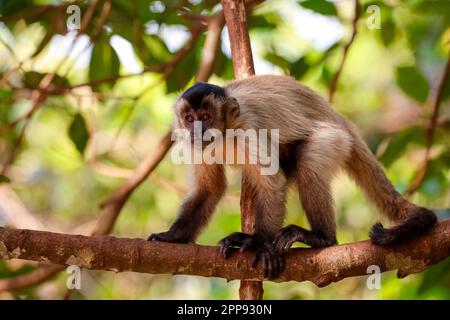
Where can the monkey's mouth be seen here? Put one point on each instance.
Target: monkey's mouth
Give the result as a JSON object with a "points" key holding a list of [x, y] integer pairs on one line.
{"points": [[199, 137], [200, 141]]}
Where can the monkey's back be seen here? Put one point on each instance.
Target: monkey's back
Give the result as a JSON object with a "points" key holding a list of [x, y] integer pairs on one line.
{"points": [[280, 102]]}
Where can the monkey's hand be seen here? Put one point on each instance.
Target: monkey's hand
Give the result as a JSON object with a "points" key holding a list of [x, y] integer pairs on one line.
{"points": [[173, 235], [273, 263]]}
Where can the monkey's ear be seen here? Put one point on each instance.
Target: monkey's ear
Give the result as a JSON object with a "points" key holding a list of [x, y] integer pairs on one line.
{"points": [[232, 109]]}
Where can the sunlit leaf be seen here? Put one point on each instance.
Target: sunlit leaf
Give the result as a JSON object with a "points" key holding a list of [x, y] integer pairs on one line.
{"points": [[278, 60], [153, 50], [320, 6], [260, 22], [104, 64], [413, 83]]}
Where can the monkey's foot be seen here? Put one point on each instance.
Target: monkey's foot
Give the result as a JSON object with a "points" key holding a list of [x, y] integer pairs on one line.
{"points": [[292, 233], [273, 263], [174, 236]]}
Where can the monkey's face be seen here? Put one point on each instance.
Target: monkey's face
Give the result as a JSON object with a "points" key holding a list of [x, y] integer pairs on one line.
{"points": [[207, 114], [200, 108]]}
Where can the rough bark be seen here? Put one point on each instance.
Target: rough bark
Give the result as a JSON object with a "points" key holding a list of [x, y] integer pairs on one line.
{"points": [[236, 21], [241, 51], [320, 266]]}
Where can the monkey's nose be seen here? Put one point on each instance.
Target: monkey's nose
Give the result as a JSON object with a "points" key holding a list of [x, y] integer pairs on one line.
{"points": [[196, 136]]}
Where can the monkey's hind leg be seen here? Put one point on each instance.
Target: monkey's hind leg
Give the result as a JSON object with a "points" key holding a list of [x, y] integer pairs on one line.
{"points": [[317, 203], [323, 154]]}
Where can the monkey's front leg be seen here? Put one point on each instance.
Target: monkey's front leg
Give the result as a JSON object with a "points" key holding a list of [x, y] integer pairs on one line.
{"points": [[194, 214], [269, 193], [209, 187]]}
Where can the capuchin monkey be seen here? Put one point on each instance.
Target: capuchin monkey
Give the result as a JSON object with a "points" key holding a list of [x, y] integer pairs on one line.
{"points": [[314, 143]]}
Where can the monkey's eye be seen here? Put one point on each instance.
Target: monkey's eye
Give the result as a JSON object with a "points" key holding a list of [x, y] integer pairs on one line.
{"points": [[189, 118], [205, 117]]}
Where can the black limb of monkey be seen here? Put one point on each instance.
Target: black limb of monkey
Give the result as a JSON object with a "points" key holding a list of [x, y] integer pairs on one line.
{"points": [[263, 249], [292, 233]]}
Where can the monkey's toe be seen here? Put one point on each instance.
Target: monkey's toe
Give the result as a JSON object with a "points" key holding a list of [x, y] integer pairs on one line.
{"points": [[235, 240], [168, 236], [264, 251], [285, 238], [273, 263]]}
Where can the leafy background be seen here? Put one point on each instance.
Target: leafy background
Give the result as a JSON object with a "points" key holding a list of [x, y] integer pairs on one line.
{"points": [[82, 141]]}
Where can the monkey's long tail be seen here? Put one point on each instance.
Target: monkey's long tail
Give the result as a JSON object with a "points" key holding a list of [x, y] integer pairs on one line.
{"points": [[368, 174]]}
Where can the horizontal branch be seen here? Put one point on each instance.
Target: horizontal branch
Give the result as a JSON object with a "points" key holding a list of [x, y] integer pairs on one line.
{"points": [[320, 266]]}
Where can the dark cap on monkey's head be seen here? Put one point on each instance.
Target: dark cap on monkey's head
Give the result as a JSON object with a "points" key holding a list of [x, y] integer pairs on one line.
{"points": [[195, 94]]}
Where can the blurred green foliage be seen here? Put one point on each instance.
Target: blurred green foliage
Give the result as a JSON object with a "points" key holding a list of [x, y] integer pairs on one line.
{"points": [[83, 140]]}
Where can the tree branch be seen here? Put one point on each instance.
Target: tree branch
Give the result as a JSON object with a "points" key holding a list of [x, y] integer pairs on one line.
{"points": [[111, 208], [236, 20], [334, 81], [320, 266], [241, 51], [211, 47]]}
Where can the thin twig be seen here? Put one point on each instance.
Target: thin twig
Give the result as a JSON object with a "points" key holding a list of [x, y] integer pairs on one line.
{"points": [[211, 47], [335, 79], [430, 132]]}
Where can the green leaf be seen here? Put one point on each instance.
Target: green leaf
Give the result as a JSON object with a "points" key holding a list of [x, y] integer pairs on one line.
{"points": [[224, 66], [104, 64], [182, 74], [413, 83], [326, 75], [153, 50], [260, 22], [440, 7], [397, 144], [299, 68], [4, 179], [277, 60], [78, 133], [320, 6], [5, 94], [387, 31]]}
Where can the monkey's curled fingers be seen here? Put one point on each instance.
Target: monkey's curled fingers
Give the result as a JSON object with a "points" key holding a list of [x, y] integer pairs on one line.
{"points": [[286, 237], [272, 263], [169, 236], [236, 239]]}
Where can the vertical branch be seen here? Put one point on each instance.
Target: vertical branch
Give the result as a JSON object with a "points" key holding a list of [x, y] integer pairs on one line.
{"points": [[334, 81], [211, 47], [430, 131], [236, 20]]}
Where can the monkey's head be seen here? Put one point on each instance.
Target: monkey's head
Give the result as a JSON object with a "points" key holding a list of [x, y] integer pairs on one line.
{"points": [[208, 104]]}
